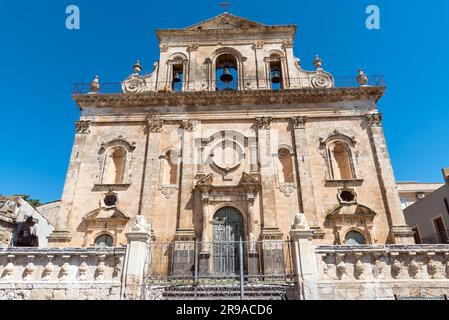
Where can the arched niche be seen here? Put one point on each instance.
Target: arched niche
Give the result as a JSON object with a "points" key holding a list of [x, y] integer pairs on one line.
{"points": [[338, 153], [115, 158]]}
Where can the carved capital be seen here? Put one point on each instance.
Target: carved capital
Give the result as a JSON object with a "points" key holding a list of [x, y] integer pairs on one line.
{"points": [[287, 44], [264, 123], [299, 122], [155, 124], [375, 120], [193, 47], [188, 125], [82, 127], [163, 48], [258, 45]]}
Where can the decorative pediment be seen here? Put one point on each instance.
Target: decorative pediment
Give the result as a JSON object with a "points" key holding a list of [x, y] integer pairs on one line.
{"points": [[225, 21], [249, 183], [354, 210], [106, 214], [205, 183]]}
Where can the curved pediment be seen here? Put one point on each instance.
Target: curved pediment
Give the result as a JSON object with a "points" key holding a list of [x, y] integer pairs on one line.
{"points": [[106, 214], [225, 21], [351, 210]]}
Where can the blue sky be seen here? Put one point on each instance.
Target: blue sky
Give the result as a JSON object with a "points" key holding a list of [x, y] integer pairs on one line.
{"points": [[41, 60]]}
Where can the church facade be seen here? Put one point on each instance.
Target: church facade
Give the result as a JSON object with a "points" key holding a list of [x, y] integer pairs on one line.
{"points": [[227, 138], [228, 172]]}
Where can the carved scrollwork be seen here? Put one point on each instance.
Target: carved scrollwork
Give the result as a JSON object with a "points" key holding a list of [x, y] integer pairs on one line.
{"points": [[135, 84], [287, 189], [155, 124], [321, 80]]}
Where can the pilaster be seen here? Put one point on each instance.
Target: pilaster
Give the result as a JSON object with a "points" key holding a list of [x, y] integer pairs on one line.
{"points": [[306, 190], [61, 234], [400, 233]]}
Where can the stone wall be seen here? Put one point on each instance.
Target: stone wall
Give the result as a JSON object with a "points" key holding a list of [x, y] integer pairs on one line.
{"points": [[61, 274], [379, 272]]}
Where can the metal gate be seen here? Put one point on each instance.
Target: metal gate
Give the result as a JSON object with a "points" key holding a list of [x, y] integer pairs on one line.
{"points": [[225, 270]]}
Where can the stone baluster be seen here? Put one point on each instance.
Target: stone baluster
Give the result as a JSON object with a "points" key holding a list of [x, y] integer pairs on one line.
{"points": [[359, 266], [83, 268], [413, 266], [65, 268], [49, 268], [101, 268], [8, 271], [29, 269]]}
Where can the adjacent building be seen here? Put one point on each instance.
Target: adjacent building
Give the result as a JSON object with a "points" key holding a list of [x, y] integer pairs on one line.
{"points": [[21, 225], [429, 215]]}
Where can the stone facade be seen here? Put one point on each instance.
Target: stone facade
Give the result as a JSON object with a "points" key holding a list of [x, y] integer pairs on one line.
{"points": [[178, 145]]}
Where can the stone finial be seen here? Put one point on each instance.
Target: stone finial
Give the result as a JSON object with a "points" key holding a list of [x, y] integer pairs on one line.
{"points": [[317, 62], [362, 78], [137, 67], [140, 225], [95, 86], [300, 222]]}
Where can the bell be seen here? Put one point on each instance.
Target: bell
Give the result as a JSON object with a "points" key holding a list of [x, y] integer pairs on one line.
{"points": [[275, 76], [177, 77], [226, 76]]}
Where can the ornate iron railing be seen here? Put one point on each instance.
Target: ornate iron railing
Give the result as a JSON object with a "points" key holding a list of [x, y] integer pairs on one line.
{"points": [[222, 270], [142, 85]]}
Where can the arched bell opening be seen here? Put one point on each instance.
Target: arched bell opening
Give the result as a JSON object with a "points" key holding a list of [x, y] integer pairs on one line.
{"points": [[226, 73], [276, 72], [178, 75]]}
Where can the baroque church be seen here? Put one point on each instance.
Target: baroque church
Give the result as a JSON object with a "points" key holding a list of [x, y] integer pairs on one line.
{"points": [[229, 138]]}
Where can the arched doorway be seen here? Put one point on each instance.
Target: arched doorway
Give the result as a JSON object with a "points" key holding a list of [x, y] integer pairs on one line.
{"points": [[227, 232]]}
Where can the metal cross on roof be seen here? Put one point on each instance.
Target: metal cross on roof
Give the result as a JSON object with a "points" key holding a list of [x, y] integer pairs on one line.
{"points": [[225, 5]]}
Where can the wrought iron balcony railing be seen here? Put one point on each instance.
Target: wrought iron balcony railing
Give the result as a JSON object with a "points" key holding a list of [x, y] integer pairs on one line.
{"points": [[141, 85]]}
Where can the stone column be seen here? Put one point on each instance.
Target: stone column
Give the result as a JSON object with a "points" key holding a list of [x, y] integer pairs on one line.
{"points": [[136, 263], [185, 224], [61, 234], [304, 258], [260, 65], [205, 241], [149, 182], [184, 255], [192, 69], [253, 261], [252, 145], [400, 233], [270, 228], [306, 193]]}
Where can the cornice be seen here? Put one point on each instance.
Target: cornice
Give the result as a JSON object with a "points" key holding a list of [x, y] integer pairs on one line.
{"points": [[223, 98]]}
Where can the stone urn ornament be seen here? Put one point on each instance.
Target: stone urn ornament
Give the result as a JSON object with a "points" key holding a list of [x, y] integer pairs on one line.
{"points": [[362, 78], [95, 86], [137, 67]]}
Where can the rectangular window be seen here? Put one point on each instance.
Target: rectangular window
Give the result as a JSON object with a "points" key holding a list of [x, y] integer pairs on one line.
{"points": [[416, 235], [446, 203], [441, 230]]}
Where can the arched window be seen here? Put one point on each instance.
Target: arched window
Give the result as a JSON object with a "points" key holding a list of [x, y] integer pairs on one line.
{"points": [[226, 73], [285, 161], [341, 161], [114, 167], [105, 240], [354, 238]]}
